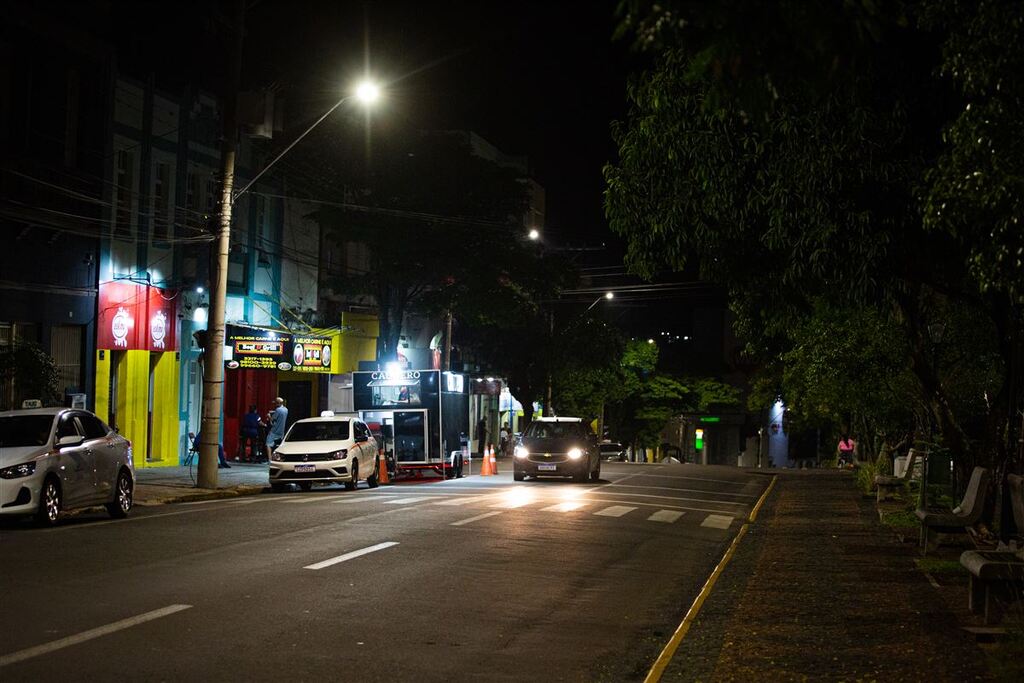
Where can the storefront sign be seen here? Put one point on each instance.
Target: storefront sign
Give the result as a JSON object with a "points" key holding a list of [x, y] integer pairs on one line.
{"points": [[311, 354], [136, 317], [395, 374], [253, 348]]}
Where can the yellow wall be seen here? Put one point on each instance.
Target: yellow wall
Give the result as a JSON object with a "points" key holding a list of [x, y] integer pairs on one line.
{"points": [[133, 401], [103, 385], [165, 410], [357, 342]]}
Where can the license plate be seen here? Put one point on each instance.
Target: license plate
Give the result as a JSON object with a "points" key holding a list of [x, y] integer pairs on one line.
{"points": [[305, 468], [547, 468]]}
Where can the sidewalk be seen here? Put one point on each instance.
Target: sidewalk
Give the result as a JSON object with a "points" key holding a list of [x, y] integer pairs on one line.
{"points": [[819, 590], [160, 485]]}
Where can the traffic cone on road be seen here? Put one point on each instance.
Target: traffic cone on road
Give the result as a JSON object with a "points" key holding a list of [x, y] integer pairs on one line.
{"points": [[382, 469], [485, 463], [494, 460]]}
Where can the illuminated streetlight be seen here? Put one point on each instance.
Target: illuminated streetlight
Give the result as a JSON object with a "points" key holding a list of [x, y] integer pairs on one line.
{"points": [[607, 295], [534, 234], [650, 341], [367, 92]]}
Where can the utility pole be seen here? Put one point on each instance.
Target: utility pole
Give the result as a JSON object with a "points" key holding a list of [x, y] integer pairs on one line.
{"points": [[213, 366], [548, 408]]}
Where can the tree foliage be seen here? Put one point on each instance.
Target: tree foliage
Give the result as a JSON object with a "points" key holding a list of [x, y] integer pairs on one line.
{"points": [[32, 371]]}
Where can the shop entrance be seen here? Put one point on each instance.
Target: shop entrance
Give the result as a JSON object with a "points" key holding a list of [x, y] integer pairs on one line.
{"points": [[298, 398], [403, 434]]}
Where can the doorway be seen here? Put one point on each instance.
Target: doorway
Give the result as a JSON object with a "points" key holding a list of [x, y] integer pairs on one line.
{"points": [[298, 399]]}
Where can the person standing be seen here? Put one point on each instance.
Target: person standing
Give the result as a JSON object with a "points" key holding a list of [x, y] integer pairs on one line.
{"points": [[250, 436], [481, 435], [845, 450], [278, 420]]}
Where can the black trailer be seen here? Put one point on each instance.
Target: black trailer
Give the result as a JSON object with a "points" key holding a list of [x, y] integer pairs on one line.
{"points": [[417, 416]]}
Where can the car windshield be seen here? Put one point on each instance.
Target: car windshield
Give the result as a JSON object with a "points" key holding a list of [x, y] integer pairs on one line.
{"points": [[25, 430], [611, 447], [318, 431], [554, 430]]}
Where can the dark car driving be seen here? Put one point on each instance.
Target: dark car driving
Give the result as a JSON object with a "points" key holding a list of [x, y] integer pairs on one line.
{"points": [[613, 451], [557, 447]]}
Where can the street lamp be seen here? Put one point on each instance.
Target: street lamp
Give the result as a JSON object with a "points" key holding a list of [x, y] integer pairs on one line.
{"points": [[607, 295], [534, 234], [213, 375]]}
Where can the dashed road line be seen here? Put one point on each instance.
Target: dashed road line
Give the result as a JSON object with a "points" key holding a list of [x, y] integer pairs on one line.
{"points": [[672, 488], [462, 501], [667, 516], [313, 499], [568, 506], [407, 501], [461, 522], [45, 648], [615, 511], [351, 556], [717, 521]]}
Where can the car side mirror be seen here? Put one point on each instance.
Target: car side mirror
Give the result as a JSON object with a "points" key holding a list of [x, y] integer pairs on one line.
{"points": [[70, 441]]}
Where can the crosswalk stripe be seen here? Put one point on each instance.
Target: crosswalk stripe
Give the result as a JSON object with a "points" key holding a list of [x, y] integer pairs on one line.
{"points": [[476, 519], [717, 521], [564, 507], [461, 501], [407, 501], [615, 511], [512, 504], [311, 499], [667, 516]]}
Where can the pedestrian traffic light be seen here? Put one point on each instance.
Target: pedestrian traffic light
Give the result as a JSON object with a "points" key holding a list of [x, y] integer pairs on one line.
{"points": [[698, 439]]}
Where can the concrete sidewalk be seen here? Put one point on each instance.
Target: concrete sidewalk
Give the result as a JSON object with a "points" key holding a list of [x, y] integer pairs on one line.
{"points": [[160, 485], [819, 590]]}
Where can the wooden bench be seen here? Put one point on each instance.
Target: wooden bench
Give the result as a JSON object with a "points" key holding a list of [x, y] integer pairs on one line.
{"points": [[997, 577], [938, 527], [887, 485]]}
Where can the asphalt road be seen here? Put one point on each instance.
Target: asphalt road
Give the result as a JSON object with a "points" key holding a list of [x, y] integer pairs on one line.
{"points": [[479, 578]]}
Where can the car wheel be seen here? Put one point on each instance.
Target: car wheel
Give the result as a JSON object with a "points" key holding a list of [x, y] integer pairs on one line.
{"points": [[122, 503], [518, 476], [279, 488], [351, 485], [306, 485], [372, 480], [596, 474], [51, 500]]}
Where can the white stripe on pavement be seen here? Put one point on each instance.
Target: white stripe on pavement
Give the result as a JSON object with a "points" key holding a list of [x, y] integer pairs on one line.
{"points": [[28, 653], [564, 507], [407, 501], [673, 488], [462, 501], [352, 555], [476, 519], [615, 511], [667, 516], [717, 521], [313, 499]]}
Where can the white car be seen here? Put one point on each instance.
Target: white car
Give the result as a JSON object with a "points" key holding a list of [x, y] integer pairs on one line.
{"points": [[56, 459], [327, 449]]}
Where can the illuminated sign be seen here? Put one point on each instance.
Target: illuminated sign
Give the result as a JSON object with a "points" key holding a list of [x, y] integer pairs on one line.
{"points": [[698, 439], [311, 354], [136, 317], [400, 374]]}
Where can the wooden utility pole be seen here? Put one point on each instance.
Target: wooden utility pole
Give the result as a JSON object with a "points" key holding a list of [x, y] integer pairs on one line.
{"points": [[213, 366]]}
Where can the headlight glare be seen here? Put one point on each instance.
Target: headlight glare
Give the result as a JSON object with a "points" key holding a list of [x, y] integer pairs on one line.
{"points": [[17, 471], [522, 452], [575, 454]]}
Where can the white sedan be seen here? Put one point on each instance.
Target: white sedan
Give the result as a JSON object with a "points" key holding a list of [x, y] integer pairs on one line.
{"points": [[56, 459], [327, 449]]}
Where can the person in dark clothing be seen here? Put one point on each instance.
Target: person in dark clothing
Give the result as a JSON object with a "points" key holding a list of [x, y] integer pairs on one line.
{"points": [[481, 434], [250, 436], [222, 463]]}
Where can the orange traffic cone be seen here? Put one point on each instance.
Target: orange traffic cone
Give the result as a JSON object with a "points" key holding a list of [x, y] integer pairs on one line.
{"points": [[485, 464], [382, 469], [494, 460]]}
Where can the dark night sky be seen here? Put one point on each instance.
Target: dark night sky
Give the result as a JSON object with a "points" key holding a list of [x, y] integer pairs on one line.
{"points": [[541, 79]]}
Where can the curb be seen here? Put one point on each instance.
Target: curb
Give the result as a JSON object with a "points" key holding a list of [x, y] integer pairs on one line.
{"points": [[200, 494]]}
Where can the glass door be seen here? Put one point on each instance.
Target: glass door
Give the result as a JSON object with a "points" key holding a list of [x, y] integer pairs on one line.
{"points": [[410, 427]]}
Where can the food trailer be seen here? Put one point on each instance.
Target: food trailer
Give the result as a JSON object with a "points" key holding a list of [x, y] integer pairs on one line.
{"points": [[418, 416]]}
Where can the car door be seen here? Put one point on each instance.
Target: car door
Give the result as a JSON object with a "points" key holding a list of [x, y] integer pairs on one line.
{"points": [[74, 463], [361, 445], [105, 452]]}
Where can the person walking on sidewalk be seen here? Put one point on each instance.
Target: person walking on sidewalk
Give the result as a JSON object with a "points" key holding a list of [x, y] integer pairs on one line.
{"points": [[278, 419]]}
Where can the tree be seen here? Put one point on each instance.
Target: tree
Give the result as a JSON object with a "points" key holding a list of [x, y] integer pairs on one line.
{"points": [[793, 176], [30, 372]]}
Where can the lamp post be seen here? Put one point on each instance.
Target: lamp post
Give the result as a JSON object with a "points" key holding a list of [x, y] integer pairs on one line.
{"points": [[607, 296], [213, 370]]}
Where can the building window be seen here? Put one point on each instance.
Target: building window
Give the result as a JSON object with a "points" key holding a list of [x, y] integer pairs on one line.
{"points": [[161, 201], [123, 194]]}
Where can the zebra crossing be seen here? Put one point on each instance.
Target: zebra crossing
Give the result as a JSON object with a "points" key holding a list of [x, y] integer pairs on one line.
{"points": [[498, 503]]}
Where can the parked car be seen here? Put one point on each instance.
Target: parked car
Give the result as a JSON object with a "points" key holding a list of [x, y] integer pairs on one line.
{"points": [[327, 449], [58, 459], [557, 447], [613, 451]]}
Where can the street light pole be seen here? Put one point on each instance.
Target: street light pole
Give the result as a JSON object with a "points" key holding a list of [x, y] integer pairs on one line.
{"points": [[213, 371]]}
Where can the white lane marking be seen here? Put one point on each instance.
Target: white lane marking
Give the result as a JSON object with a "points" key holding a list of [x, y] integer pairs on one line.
{"points": [[717, 521], [246, 501], [615, 511], [671, 488], [667, 516], [204, 502], [515, 503], [407, 501], [313, 499], [352, 555], [656, 505], [476, 519], [45, 648], [695, 500], [462, 501], [568, 506]]}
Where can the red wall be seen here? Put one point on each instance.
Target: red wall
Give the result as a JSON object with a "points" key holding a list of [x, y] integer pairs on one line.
{"points": [[242, 388]]}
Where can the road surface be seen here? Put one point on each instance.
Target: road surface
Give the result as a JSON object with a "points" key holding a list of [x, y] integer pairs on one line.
{"points": [[479, 578]]}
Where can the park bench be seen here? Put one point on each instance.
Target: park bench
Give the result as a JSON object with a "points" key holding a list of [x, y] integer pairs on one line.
{"points": [[938, 527], [886, 485], [997, 577]]}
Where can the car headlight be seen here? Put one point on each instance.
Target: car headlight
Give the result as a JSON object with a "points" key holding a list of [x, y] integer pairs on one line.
{"points": [[575, 454], [339, 455], [275, 456], [521, 452], [17, 471]]}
